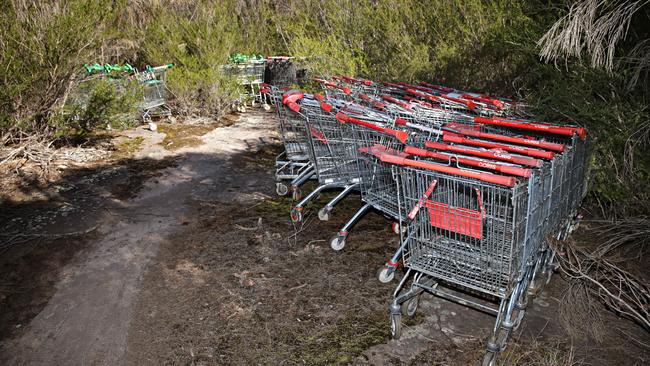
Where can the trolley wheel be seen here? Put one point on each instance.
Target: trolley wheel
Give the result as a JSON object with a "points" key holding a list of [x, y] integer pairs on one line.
{"points": [[338, 242], [411, 306], [395, 226], [297, 194], [253, 103], [549, 266], [386, 274], [266, 107], [324, 214], [489, 359], [395, 326], [281, 189], [296, 215]]}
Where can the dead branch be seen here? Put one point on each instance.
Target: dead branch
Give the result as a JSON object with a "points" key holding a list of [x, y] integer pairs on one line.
{"points": [[618, 289], [591, 27]]}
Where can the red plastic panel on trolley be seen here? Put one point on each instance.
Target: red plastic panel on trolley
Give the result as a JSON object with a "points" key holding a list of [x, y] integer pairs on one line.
{"points": [[460, 220]]}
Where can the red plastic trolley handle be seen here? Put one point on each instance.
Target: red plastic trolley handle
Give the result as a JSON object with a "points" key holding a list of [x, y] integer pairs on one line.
{"points": [[401, 136], [292, 97], [485, 177], [491, 154], [438, 87], [293, 106], [517, 140], [467, 103], [458, 139], [390, 99], [346, 91], [326, 107], [431, 98], [495, 102], [557, 130], [505, 169]]}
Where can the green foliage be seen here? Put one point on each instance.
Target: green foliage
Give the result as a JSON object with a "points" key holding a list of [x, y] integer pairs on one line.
{"points": [[618, 123], [43, 44], [99, 103], [198, 41]]}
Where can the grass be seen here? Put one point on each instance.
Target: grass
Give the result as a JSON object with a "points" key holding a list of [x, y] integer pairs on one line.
{"points": [[340, 343], [127, 148], [179, 136]]}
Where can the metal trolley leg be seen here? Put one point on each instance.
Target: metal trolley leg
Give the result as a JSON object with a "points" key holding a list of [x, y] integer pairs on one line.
{"points": [[338, 241], [298, 181], [324, 213], [296, 211]]}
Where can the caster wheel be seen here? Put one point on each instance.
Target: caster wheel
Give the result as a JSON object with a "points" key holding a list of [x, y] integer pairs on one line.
{"points": [[266, 107], [338, 242], [253, 104], [489, 359], [386, 274], [324, 214], [549, 267], [411, 306], [296, 216], [297, 195], [395, 326], [395, 227], [281, 189], [518, 318]]}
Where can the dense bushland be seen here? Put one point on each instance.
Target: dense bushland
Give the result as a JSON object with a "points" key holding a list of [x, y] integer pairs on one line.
{"points": [[476, 45]]}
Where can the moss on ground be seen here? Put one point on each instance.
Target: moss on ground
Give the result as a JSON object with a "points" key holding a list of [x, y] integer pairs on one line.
{"points": [[342, 342], [178, 136], [127, 147]]}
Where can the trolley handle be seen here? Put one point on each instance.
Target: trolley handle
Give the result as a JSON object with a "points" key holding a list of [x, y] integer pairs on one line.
{"points": [[401, 136], [292, 97], [293, 106], [467, 103], [517, 140], [431, 98], [554, 129], [326, 107], [390, 99], [364, 97], [495, 102], [521, 160], [451, 137], [438, 87], [485, 177], [480, 163]]}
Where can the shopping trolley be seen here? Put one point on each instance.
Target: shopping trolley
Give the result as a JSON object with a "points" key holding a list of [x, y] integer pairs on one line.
{"points": [[154, 85], [332, 154], [293, 164], [249, 74]]}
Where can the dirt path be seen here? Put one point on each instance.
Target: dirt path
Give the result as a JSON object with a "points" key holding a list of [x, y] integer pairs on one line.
{"points": [[87, 319]]}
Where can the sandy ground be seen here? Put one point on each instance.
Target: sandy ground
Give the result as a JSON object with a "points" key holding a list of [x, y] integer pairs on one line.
{"points": [[203, 267]]}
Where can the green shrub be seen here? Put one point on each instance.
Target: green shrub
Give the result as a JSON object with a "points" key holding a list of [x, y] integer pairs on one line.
{"points": [[99, 103], [43, 45]]}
